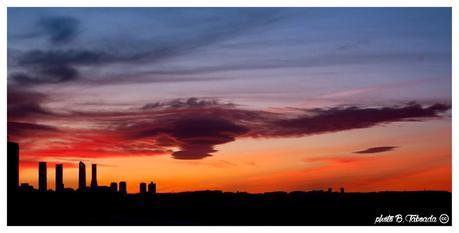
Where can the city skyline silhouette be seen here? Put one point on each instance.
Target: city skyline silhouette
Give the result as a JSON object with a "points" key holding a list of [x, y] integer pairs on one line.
{"points": [[255, 96], [113, 206], [229, 116], [13, 175]]}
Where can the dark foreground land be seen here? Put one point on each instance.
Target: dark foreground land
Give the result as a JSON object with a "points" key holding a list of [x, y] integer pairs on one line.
{"points": [[221, 208]]}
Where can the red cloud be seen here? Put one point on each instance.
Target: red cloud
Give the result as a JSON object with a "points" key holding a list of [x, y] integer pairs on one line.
{"points": [[195, 127]]}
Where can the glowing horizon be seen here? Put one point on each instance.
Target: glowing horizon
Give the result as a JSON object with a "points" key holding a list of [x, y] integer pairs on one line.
{"points": [[234, 99]]}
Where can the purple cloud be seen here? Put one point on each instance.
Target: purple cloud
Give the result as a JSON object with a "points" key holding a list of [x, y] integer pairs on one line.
{"points": [[378, 149]]}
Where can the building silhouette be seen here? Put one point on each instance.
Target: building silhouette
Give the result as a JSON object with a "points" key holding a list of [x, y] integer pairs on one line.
{"points": [[102, 189], [42, 177], [82, 177], [341, 190], [13, 177], [143, 188], [59, 178], [330, 190], [26, 187], [123, 189], [13, 166], [114, 187], [152, 188], [94, 176]]}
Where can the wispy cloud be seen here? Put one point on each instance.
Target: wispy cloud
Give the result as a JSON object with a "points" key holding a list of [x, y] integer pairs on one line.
{"points": [[57, 65], [378, 149], [59, 29]]}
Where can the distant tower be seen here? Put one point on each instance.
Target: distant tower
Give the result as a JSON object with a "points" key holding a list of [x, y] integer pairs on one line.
{"points": [[143, 187], [59, 178], [94, 176], [42, 176], [330, 190], [13, 166], [114, 187], [123, 187], [341, 190], [152, 188], [82, 177]]}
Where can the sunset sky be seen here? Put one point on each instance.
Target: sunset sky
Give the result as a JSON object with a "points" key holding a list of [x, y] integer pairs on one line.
{"points": [[235, 99]]}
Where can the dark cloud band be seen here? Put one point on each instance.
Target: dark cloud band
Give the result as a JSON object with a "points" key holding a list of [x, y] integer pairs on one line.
{"points": [[196, 126], [378, 149]]}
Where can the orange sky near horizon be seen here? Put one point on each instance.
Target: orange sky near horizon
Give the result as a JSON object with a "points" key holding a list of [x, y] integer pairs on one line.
{"points": [[422, 161], [234, 99]]}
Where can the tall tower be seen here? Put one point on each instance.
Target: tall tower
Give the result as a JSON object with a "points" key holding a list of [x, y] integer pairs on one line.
{"points": [[143, 187], [59, 178], [123, 188], [42, 176], [114, 187], [152, 188], [82, 177], [13, 166], [94, 176]]}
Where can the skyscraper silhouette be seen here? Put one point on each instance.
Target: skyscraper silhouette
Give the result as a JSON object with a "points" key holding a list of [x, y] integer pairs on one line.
{"points": [[42, 177], [114, 187], [82, 177], [13, 166], [143, 188], [59, 178], [123, 187], [94, 176], [152, 188]]}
